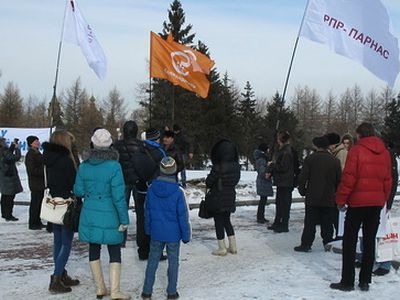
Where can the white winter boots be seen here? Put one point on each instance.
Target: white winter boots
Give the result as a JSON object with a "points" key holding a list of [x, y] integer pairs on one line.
{"points": [[115, 275], [97, 273], [222, 250]]}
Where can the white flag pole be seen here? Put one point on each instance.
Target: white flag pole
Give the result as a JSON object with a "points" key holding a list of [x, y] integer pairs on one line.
{"points": [[54, 97]]}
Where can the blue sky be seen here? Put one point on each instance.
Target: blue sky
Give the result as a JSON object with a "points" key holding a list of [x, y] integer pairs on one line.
{"points": [[251, 40]]}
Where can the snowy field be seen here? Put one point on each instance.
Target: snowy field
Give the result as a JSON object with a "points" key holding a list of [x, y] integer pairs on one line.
{"points": [[266, 267]]}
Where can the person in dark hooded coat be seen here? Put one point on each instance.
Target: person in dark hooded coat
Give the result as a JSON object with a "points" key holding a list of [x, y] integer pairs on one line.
{"points": [[263, 181], [10, 184], [222, 180]]}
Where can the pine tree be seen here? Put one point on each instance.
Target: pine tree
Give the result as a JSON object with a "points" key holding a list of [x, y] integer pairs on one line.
{"points": [[391, 131], [11, 109], [91, 118], [249, 121]]}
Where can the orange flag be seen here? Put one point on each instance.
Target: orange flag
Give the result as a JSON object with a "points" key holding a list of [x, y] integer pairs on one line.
{"points": [[179, 64]]}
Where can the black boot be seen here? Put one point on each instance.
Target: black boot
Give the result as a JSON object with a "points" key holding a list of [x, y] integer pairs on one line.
{"points": [[282, 228], [67, 280], [57, 287], [342, 287], [273, 226]]}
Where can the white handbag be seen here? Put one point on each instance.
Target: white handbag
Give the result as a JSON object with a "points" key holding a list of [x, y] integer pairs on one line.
{"points": [[53, 209]]}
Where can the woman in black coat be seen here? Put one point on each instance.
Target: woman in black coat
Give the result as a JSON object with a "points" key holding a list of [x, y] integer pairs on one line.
{"points": [[10, 184], [222, 180], [58, 157]]}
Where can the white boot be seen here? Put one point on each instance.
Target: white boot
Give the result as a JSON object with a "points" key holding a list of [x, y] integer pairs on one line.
{"points": [[115, 275], [97, 273], [232, 244], [221, 251]]}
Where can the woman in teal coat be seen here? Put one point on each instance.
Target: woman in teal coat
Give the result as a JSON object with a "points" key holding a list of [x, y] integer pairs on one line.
{"points": [[104, 215]]}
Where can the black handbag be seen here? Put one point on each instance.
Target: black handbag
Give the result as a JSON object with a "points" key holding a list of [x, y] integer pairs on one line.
{"points": [[71, 217], [203, 212]]}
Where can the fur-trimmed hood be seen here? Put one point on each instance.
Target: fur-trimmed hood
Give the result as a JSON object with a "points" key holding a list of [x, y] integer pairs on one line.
{"points": [[96, 156]]}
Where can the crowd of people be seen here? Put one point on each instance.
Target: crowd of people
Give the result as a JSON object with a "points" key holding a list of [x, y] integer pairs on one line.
{"points": [[340, 175]]}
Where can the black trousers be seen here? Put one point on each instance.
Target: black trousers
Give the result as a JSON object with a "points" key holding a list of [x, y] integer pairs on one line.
{"points": [[114, 251], [130, 189], [142, 240], [369, 218], [34, 208], [223, 223], [283, 202], [315, 215], [261, 207], [7, 205]]}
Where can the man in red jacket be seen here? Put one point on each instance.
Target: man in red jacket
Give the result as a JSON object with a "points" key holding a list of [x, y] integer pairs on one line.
{"points": [[364, 189]]}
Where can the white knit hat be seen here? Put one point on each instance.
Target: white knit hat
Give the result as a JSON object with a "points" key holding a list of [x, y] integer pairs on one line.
{"points": [[101, 138]]}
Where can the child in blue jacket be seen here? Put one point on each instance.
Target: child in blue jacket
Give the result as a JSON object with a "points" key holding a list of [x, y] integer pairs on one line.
{"points": [[167, 223]]}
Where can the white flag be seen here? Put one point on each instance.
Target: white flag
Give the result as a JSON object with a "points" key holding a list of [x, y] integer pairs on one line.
{"points": [[79, 32], [358, 29]]}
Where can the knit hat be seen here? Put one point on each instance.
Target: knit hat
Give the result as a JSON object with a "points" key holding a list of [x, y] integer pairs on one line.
{"points": [[168, 166], [101, 138], [333, 138], [30, 139], [321, 142], [152, 134]]}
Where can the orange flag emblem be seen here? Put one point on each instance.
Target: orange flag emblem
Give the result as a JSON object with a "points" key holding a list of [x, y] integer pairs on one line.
{"points": [[180, 65]]}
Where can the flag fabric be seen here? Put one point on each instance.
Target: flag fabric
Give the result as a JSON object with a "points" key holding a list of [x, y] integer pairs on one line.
{"points": [[77, 31], [179, 64], [357, 29]]}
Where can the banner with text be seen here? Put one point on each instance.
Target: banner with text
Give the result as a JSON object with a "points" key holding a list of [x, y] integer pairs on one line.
{"points": [[11, 133], [358, 29]]}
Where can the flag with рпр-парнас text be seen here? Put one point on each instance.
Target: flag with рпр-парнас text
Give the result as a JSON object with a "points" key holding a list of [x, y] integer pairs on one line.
{"points": [[179, 64], [77, 31], [357, 29]]}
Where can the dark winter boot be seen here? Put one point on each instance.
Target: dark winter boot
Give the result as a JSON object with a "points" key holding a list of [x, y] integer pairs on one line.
{"points": [[282, 228], [273, 226], [57, 287], [67, 280]]}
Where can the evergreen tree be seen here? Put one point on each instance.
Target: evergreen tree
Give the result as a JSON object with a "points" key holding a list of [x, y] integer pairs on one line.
{"points": [[11, 109], [249, 121], [279, 117], [391, 131], [175, 24]]}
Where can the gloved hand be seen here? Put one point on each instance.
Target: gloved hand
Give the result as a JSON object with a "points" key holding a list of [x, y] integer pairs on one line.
{"points": [[185, 242], [342, 208], [122, 227]]}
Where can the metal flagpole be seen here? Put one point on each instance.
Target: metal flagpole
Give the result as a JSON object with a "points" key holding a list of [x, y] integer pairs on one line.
{"points": [[54, 97], [288, 76]]}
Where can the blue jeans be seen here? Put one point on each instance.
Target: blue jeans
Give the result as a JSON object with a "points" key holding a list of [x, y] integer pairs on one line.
{"points": [[156, 249], [61, 247]]}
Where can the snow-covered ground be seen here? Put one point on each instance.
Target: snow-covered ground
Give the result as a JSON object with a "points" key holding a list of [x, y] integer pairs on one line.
{"points": [[266, 267]]}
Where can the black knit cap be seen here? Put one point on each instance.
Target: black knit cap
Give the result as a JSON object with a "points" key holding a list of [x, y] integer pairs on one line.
{"points": [[152, 134], [30, 139], [333, 138], [321, 142]]}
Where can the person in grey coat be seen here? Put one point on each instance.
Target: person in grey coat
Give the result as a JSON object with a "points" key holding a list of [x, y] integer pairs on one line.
{"points": [[10, 184], [263, 181]]}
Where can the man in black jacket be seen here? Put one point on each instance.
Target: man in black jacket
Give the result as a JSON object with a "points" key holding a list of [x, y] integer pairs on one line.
{"points": [[127, 147], [186, 149], [318, 181], [35, 171]]}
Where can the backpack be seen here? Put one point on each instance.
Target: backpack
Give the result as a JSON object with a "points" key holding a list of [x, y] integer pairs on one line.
{"points": [[145, 165]]}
